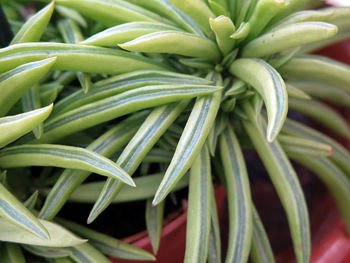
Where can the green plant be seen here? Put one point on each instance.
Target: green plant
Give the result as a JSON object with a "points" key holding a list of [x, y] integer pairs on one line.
{"points": [[172, 87]]}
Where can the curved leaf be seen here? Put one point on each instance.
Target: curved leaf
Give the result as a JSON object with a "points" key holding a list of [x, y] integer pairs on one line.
{"points": [[125, 32], [340, 155], [86, 253], [191, 142], [322, 91], [261, 251], [106, 244], [154, 219], [14, 211], [167, 9], [111, 13], [285, 182], [270, 86], [147, 136], [199, 209], [13, 127], [11, 253], [15, 83], [107, 144], [173, 42], [317, 68], [35, 26], [287, 37], [59, 237], [61, 156], [121, 104], [323, 114], [333, 178], [198, 11], [238, 197], [76, 58]]}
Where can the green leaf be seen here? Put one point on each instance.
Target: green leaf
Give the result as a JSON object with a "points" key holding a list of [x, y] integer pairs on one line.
{"points": [[15, 83], [107, 144], [147, 136], [31, 201], [71, 14], [322, 114], [261, 251], [287, 37], [223, 28], [59, 237], [61, 156], [296, 92], [198, 11], [31, 101], [214, 246], [13, 127], [154, 219], [35, 26], [126, 32], [285, 182], [47, 252], [198, 212], [317, 68], [76, 58], [340, 155], [267, 81], [335, 180], [123, 82], [14, 211], [121, 104], [111, 13], [11, 253], [238, 197], [263, 12], [191, 142], [302, 146], [146, 188], [322, 91], [86, 253], [106, 244], [322, 15], [174, 42]]}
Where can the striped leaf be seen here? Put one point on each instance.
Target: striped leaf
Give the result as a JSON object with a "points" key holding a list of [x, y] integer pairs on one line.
{"points": [[59, 237], [34, 27], [198, 211], [340, 155], [119, 105], [76, 58], [61, 156], [13, 127], [107, 144], [335, 180], [147, 136], [173, 42], [15, 83], [270, 85], [322, 114], [317, 68], [154, 219], [285, 182], [261, 251], [15, 212], [190, 144], [238, 197], [106, 244]]}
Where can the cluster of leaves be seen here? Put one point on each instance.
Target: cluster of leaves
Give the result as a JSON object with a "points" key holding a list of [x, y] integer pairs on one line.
{"points": [[171, 88]]}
